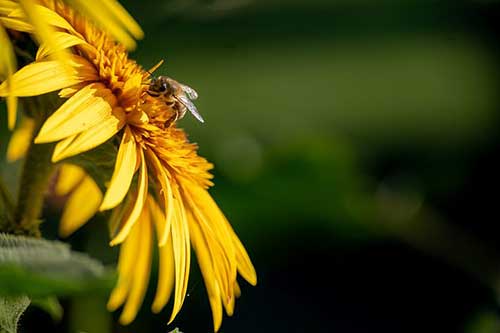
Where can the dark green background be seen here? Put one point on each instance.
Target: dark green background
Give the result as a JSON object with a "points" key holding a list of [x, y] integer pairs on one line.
{"points": [[356, 148]]}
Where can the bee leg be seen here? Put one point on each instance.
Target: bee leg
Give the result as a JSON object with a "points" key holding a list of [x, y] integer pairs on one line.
{"points": [[152, 93], [172, 119]]}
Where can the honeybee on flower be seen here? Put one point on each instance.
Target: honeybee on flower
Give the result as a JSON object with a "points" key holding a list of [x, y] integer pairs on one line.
{"points": [[176, 95]]}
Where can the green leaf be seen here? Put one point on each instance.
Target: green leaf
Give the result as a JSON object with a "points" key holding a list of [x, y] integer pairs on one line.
{"points": [[175, 330], [40, 268], [11, 309]]}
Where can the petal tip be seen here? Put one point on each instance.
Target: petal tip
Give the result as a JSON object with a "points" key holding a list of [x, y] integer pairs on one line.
{"points": [[253, 281], [115, 242], [105, 206], [156, 308], [38, 139], [57, 157], [64, 233], [125, 320]]}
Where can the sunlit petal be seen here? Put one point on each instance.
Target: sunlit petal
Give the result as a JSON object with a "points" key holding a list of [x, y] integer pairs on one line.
{"points": [[158, 217], [166, 192], [90, 106], [137, 209], [61, 40], [182, 256], [224, 266], [205, 263], [47, 76], [126, 266], [166, 275], [90, 138], [123, 173], [141, 271]]}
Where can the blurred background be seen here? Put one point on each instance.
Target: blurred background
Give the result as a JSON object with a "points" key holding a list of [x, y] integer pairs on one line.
{"points": [[356, 147]]}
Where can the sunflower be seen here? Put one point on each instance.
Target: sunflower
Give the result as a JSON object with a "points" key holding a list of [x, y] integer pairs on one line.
{"points": [[159, 185]]}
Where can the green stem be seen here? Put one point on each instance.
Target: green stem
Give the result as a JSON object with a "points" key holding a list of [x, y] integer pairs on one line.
{"points": [[36, 173], [6, 200], [34, 181]]}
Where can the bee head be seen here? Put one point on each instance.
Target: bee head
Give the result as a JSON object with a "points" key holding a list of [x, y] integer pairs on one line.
{"points": [[160, 86]]}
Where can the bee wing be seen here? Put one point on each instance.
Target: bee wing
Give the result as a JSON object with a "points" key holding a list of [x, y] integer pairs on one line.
{"points": [[191, 93], [191, 107]]}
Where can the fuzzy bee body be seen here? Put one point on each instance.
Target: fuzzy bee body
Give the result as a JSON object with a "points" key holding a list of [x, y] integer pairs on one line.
{"points": [[177, 95]]}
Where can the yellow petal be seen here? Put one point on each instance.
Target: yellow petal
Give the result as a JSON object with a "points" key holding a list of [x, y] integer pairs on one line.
{"points": [[62, 40], [205, 263], [158, 217], [21, 140], [70, 91], [126, 267], [82, 204], [90, 138], [16, 24], [222, 253], [142, 269], [182, 255], [237, 289], [40, 13], [123, 173], [123, 17], [117, 215], [8, 67], [132, 89], [135, 213], [109, 18], [40, 17], [166, 191], [7, 6], [89, 107], [166, 276], [245, 266], [43, 77], [68, 177]]}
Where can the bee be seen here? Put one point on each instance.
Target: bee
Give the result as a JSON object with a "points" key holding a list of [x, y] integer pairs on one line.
{"points": [[175, 94]]}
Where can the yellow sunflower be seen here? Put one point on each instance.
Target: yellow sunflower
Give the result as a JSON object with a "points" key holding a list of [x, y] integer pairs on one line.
{"points": [[107, 97]]}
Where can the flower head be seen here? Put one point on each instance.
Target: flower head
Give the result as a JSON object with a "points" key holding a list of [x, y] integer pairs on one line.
{"points": [[159, 184]]}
